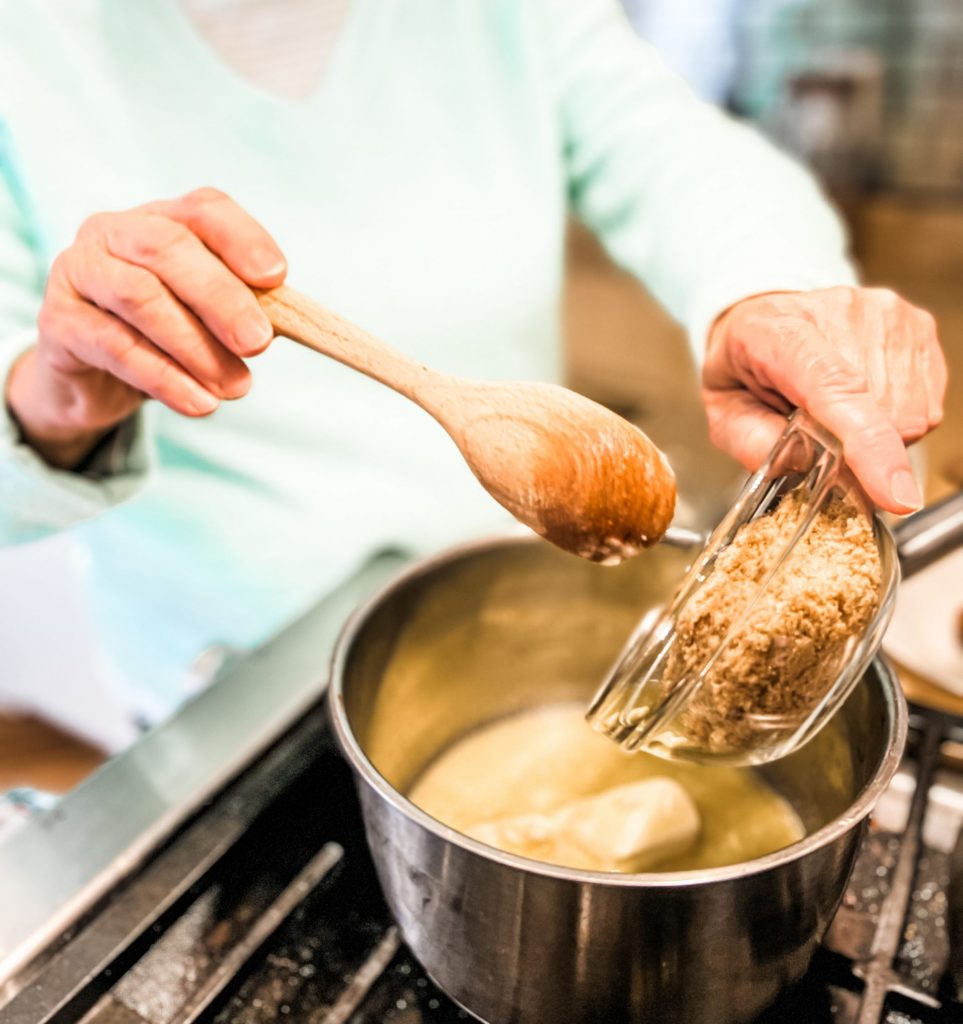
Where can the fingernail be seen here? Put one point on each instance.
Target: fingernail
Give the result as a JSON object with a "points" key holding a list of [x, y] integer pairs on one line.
{"points": [[267, 261], [237, 388], [253, 333], [904, 490], [202, 401]]}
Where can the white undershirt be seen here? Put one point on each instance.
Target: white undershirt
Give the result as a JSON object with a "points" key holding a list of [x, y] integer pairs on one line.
{"points": [[282, 46]]}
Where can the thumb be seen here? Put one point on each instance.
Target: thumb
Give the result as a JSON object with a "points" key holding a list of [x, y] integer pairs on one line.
{"points": [[812, 374]]}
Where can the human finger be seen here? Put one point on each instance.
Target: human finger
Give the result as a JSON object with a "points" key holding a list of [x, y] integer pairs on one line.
{"points": [[140, 299], [741, 426], [177, 257], [231, 233], [812, 374], [102, 341]]}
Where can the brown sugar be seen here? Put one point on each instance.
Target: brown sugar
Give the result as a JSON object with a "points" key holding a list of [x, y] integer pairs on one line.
{"points": [[785, 656]]}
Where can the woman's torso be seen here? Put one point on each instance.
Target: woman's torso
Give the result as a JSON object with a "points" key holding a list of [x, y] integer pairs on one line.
{"points": [[419, 191]]}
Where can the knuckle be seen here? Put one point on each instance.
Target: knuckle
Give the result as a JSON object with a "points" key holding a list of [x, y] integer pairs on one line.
{"points": [[164, 376], [135, 292], [205, 196], [59, 265], [914, 425], [840, 298], [162, 382], [233, 310], [117, 342], [141, 246], [927, 323], [49, 320], [59, 275], [57, 316], [95, 225], [785, 332], [220, 291], [148, 240], [835, 375], [886, 297]]}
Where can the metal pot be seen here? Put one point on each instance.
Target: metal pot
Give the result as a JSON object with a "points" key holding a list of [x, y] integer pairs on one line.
{"points": [[495, 627]]}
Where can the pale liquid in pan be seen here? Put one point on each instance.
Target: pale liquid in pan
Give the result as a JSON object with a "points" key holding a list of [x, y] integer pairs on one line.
{"points": [[536, 761]]}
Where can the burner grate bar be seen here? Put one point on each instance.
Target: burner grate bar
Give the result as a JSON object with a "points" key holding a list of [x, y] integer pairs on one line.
{"points": [[160, 888], [266, 925], [877, 971], [363, 981]]}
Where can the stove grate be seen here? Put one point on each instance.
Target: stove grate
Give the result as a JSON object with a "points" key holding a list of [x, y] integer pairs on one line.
{"points": [[265, 908]]}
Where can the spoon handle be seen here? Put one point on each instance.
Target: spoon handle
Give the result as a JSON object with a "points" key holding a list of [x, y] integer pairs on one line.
{"points": [[303, 320]]}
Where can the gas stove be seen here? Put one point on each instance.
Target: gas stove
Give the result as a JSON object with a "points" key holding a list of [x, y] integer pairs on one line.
{"points": [[265, 907], [258, 900]]}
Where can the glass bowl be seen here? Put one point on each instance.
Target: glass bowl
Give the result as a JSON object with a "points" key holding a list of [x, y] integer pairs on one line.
{"points": [[656, 700]]}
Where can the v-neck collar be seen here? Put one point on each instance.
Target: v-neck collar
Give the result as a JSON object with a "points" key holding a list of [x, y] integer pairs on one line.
{"points": [[168, 27]]}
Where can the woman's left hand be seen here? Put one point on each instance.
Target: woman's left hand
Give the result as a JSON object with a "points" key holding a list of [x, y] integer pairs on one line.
{"points": [[863, 362]]}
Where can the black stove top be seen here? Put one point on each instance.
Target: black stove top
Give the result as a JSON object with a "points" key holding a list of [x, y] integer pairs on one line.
{"points": [[265, 907]]}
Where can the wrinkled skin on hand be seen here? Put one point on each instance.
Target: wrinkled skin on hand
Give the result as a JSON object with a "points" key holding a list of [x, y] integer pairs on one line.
{"points": [[865, 363], [152, 302]]}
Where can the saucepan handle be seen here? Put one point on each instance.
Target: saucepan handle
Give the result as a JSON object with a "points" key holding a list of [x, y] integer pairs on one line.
{"points": [[929, 534]]}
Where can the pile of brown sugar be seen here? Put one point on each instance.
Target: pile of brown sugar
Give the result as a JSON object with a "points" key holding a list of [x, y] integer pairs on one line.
{"points": [[782, 660]]}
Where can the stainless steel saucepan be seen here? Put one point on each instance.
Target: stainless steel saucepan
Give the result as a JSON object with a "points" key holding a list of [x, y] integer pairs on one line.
{"points": [[500, 626]]}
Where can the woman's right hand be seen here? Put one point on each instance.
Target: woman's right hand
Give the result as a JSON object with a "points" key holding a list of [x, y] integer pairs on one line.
{"points": [[153, 302]]}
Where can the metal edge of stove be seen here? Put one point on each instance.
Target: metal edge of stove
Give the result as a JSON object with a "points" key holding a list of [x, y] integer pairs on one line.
{"points": [[60, 863]]}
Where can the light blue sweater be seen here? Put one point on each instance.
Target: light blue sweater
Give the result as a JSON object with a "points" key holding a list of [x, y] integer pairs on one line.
{"points": [[422, 192]]}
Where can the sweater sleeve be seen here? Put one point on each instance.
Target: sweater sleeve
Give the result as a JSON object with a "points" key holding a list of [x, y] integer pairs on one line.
{"points": [[698, 206], [34, 498]]}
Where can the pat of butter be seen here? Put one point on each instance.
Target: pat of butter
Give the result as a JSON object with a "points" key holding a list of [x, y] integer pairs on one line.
{"points": [[627, 828]]}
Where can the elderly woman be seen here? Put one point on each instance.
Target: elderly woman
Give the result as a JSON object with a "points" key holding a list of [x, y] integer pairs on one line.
{"points": [[413, 165]]}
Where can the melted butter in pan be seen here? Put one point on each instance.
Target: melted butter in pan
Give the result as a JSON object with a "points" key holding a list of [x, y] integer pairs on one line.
{"points": [[539, 761]]}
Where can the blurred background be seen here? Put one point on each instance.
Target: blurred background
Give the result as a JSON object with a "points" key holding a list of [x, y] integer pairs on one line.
{"points": [[869, 93]]}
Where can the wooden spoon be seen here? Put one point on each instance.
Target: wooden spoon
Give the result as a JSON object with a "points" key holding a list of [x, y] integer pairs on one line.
{"points": [[573, 471]]}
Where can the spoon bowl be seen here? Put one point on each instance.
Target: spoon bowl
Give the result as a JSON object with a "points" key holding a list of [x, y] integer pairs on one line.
{"points": [[576, 473]]}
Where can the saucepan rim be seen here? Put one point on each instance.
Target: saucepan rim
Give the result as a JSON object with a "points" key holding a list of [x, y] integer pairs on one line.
{"points": [[860, 808]]}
